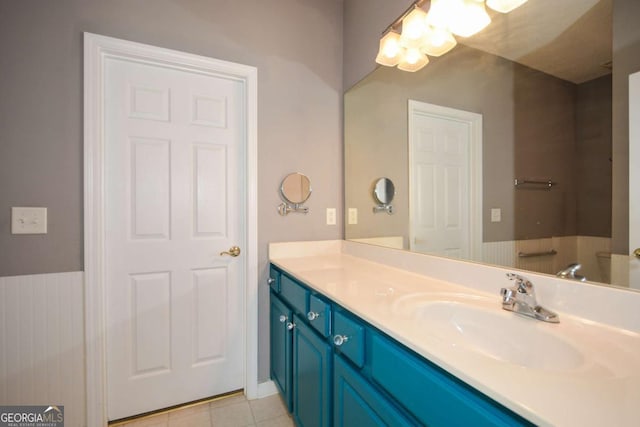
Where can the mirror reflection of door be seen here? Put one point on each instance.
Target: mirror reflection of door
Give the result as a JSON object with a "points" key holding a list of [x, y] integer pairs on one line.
{"points": [[444, 212]]}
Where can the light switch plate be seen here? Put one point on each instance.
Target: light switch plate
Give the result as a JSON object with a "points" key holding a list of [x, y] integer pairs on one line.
{"points": [[496, 215], [353, 216], [28, 220], [331, 216]]}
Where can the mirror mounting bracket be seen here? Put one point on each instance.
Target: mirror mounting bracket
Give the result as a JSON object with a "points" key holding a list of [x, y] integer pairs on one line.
{"points": [[383, 208], [285, 208]]}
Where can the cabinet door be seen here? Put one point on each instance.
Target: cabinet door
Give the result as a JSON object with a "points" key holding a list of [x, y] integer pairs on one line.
{"points": [[280, 318], [311, 377], [357, 403]]}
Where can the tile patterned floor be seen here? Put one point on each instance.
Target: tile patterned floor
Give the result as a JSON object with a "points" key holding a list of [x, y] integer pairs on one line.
{"points": [[234, 411]]}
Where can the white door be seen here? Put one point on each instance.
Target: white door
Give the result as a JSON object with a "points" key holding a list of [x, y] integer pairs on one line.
{"points": [[634, 179], [174, 304], [441, 190]]}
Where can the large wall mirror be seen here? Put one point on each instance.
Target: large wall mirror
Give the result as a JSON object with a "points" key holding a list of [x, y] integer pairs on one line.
{"points": [[542, 94]]}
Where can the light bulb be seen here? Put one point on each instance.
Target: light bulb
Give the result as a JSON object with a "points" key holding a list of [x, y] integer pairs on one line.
{"points": [[389, 52], [413, 60], [472, 18], [505, 6], [443, 12], [413, 28], [437, 42]]}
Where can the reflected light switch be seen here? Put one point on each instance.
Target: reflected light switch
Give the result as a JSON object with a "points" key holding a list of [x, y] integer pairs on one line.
{"points": [[28, 220], [496, 214]]}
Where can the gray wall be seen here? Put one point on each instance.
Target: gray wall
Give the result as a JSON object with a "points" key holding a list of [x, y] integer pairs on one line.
{"points": [[296, 46], [593, 157], [518, 104]]}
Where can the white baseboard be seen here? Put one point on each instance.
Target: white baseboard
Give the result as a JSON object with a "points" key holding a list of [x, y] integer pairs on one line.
{"points": [[267, 388]]}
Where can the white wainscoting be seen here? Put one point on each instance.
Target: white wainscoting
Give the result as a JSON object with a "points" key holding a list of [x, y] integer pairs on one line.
{"points": [[594, 253], [42, 342]]}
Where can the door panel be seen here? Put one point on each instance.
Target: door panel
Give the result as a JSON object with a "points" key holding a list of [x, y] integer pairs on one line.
{"points": [[174, 304]]}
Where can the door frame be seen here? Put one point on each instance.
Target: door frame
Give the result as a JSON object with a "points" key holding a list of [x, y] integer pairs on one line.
{"points": [[97, 49], [633, 263], [474, 120]]}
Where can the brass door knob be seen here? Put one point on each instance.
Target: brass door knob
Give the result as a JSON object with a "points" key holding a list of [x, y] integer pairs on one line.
{"points": [[637, 253], [234, 251]]}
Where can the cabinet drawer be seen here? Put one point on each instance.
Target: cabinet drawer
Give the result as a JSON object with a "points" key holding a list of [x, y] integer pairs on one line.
{"points": [[294, 293], [433, 396], [348, 337], [319, 315], [274, 279]]}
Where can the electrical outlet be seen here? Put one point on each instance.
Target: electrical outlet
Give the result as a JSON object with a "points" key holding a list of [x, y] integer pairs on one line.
{"points": [[28, 220], [331, 216], [496, 215], [353, 216]]}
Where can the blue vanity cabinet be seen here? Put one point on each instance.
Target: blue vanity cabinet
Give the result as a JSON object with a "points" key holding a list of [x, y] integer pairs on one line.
{"points": [[335, 369], [357, 403], [311, 377], [274, 279], [281, 324], [429, 393]]}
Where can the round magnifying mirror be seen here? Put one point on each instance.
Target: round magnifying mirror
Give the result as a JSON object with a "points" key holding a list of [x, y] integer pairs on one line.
{"points": [[383, 191], [295, 188]]}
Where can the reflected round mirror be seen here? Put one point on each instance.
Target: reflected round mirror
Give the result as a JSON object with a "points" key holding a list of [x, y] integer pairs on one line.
{"points": [[295, 188], [383, 191]]}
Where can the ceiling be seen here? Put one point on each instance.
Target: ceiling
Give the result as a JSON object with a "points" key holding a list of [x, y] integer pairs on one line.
{"points": [[569, 39]]}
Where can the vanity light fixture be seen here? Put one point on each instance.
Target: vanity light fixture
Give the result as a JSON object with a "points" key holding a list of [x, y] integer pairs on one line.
{"points": [[430, 33]]}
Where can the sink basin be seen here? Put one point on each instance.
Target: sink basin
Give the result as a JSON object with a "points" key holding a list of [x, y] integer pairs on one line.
{"points": [[479, 324]]}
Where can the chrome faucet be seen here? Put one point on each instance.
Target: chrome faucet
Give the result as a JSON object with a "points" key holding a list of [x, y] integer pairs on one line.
{"points": [[521, 299], [570, 273]]}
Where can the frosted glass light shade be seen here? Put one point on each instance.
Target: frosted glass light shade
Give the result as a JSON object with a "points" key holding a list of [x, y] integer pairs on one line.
{"points": [[413, 28], [443, 12], [389, 52], [505, 6], [437, 42], [413, 60], [471, 19]]}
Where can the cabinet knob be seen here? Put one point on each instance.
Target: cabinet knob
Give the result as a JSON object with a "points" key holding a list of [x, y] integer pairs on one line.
{"points": [[312, 315], [283, 318], [290, 326], [270, 280], [338, 340]]}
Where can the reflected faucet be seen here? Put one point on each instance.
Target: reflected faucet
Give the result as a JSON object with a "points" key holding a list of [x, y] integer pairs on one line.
{"points": [[521, 299], [570, 272]]}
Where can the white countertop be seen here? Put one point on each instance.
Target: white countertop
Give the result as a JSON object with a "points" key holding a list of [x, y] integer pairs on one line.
{"points": [[600, 389]]}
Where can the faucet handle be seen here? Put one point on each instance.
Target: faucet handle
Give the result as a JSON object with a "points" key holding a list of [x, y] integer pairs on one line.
{"points": [[524, 286], [507, 295]]}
